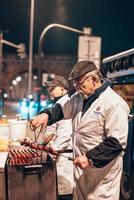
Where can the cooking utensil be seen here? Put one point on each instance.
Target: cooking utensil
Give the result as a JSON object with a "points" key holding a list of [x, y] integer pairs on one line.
{"points": [[48, 139], [65, 151], [68, 157]]}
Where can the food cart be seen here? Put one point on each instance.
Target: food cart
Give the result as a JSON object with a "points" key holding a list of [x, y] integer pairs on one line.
{"points": [[27, 170]]}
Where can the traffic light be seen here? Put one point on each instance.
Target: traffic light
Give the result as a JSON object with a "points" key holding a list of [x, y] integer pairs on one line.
{"points": [[21, 49]]}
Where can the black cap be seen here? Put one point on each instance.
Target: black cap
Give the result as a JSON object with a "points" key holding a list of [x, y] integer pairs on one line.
{"points": [[57, 81], [81, 68]]}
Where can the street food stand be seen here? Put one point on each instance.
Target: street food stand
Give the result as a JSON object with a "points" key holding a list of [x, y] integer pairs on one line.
{"points": [[36, 180], [27, 171], [28, 181]]}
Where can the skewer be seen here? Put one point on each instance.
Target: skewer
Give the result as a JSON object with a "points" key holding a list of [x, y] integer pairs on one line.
{"points": [[68, 157]]}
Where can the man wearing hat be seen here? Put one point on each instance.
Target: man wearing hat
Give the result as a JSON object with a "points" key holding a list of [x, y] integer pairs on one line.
{"points": [[100, 129], [57, 87], [62, 129]]}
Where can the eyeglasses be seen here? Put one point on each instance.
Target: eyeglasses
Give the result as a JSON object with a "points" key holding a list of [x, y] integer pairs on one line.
{"points": [[77, 83]]}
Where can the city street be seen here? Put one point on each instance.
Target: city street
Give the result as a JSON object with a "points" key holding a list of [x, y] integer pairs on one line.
{"points": [[11, 109]]}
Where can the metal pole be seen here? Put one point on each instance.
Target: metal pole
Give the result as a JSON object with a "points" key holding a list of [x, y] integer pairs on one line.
{"points": [[1, 91], [42, 36], [1, 49], [60, 26], [40, 46], [31, 48], [118, 56], [9, 43]]}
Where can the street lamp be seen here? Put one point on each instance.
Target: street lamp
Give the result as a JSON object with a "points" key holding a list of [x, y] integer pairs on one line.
{"points": [[41, 39], [31, 48], [30, 65], [40, 45], [1, 36]]}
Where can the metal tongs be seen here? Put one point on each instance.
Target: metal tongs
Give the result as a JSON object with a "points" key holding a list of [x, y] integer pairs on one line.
{"points": [[68, 157], [36, 135], [66, 151], [48, 139]]}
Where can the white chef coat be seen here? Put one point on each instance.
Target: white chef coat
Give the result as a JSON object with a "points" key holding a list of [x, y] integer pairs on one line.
{"points": [[106, 117], [61, 141]]}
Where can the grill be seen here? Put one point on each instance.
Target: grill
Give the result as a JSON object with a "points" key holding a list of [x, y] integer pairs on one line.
{"points": [[34, 180]]}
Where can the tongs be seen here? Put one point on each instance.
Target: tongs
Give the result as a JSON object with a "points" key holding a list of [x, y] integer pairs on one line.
{"points": [[68, 157], [66, 151], [36, 135], [48, 139]]}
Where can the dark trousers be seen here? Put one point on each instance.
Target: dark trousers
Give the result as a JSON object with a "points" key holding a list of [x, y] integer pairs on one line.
{"points": [[65, 197]]}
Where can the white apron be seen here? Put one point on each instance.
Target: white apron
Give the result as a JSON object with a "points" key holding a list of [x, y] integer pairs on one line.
{"points": [[107, 116], [62, 141]]}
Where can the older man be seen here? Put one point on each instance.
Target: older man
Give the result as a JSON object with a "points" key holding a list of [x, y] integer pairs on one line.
{"points": [[100, 129]]}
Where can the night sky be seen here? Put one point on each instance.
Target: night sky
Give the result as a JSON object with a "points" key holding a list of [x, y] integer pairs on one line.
{"points": [[113, 20]]}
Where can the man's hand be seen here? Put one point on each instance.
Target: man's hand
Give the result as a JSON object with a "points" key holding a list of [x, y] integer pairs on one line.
{"points": [[82, 161], [39, 120]]}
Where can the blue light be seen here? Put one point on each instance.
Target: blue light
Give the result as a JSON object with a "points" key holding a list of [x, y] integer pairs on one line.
{"points": [[30, 108], [32, 104], [43, 104], [24, 109], [49, 105], [23, 104]]}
